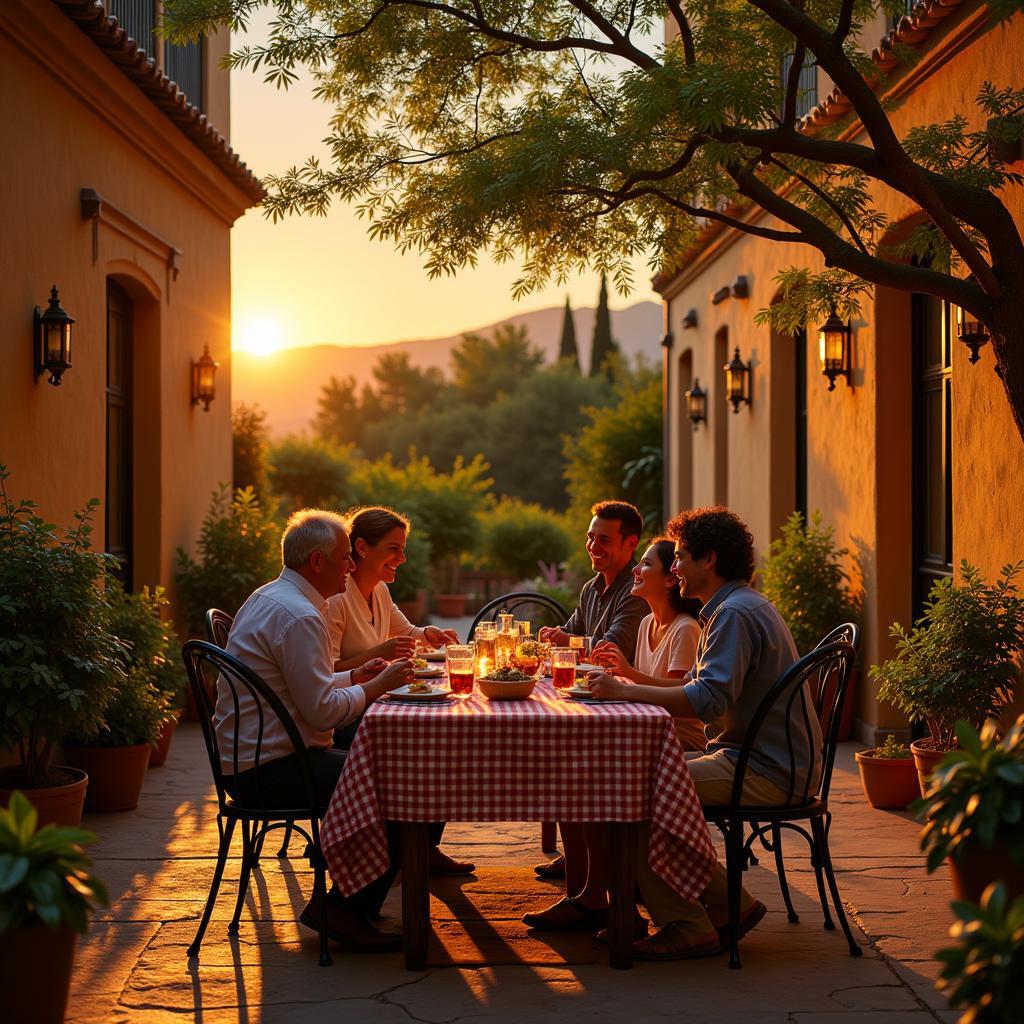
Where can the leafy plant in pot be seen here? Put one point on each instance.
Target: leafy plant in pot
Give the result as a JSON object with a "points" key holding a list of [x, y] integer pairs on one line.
{"points": [[984, 973], [957, 662], [804, 576], [974, 811], [46, 893], [117, 756], [888, 775], [59, 662]]}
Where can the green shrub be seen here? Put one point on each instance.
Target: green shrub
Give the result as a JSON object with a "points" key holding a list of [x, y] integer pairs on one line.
{"points": [[249, 448], [239, 549], [958, 660], [59, 663], [984, 973], [310, 473], [517, 536], [136, 713], [44, 876], [891, 750], [803, 576], [414, 574]]}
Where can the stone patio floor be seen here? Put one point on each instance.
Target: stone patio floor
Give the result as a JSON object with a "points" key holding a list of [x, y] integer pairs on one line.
{"points": [[158, 860]]}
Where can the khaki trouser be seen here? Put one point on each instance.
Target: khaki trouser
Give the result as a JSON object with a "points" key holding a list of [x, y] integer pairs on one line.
{"points": [[712, 776]]}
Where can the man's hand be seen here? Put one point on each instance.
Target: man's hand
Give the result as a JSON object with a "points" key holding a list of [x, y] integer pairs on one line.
{"points": [[368, 670], [554, 635], [437, 637], [397, 647], [607, 687], [397, 674], [610, 657]]}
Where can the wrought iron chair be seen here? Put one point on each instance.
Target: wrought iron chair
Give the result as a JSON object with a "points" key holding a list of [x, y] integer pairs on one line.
{"points": [[522, 601], [553, 614], [802, 805], [218, 627], [241, 682]]}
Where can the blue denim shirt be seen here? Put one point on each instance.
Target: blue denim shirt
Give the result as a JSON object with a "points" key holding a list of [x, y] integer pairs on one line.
{"points": [[744, 647]]}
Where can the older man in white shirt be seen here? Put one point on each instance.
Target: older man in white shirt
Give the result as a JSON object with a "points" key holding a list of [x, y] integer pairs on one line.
{"points": [[281, 634]]}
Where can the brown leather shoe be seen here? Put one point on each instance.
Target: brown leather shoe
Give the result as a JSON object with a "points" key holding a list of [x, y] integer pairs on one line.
{"points": [[551, 868], [441, 864], [352, 933]]}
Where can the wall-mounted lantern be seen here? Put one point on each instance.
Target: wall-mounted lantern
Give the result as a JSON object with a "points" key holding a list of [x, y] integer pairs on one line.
{"points": [[696, 403], [690, 320], [737, 381], [51, 339], [834, 346], [971, 332], [740, 288], [204, 379]]}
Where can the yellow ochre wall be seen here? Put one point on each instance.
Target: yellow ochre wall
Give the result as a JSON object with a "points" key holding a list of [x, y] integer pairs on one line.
{"points": [[859, 438], [71, 120]]}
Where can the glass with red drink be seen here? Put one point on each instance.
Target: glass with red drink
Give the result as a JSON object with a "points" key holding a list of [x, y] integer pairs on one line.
{"points": [[459, 658], [563, 667]]}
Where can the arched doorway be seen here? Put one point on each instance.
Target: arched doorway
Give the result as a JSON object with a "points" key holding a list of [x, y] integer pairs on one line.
{"points": [[119, 486]]}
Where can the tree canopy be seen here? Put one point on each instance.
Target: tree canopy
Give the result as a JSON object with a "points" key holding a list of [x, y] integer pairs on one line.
{"points": [[559, 133]]}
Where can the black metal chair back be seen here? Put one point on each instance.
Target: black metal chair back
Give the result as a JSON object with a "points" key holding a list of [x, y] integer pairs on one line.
{"points": [[218, 626], [828, 701], [545, 607], [794, 691]]}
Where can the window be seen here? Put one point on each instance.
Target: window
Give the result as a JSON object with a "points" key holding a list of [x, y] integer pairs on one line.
{"points": [[184, 65], [807, 91], [137, 18]]}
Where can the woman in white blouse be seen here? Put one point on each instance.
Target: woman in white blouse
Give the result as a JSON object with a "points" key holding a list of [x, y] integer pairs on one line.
{"points": [[364, 621], [666, 643]]}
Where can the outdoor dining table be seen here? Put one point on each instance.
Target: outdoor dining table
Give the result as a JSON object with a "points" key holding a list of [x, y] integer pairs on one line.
{"points": [[546, 758]]}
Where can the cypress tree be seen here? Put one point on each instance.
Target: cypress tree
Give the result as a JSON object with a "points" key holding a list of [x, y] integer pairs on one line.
{"points": [[603, 345], [567, 346]]}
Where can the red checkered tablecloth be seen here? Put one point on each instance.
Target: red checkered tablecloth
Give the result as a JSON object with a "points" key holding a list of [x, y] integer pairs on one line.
{"points": [[543, 759]]}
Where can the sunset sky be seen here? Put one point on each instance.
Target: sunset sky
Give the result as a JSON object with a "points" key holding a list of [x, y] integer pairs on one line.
{"points": [[307, 281]]}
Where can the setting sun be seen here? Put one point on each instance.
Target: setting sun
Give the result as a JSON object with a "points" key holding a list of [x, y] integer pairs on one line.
{"points": [[261, 336]]}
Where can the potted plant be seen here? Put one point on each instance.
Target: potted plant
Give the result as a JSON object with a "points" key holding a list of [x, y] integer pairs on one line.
{"points": [[58, 660], [984, 973], [46, 893], [804, 576], [117, 756], [958, 660], [152, 652], [974, 811], [888, 775]]}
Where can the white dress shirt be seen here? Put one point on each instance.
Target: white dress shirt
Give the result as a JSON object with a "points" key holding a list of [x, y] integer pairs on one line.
{"points": [[356, 627], [281, 634]]}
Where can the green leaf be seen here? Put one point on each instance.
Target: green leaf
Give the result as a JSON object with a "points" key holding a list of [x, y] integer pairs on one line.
{"points": [[13, 869]]}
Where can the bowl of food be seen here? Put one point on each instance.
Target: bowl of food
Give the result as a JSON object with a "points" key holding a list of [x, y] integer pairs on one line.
{"points": [[507, 684]]}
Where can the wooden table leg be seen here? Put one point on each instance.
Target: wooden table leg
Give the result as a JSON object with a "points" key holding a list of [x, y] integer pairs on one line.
{"points": [[415, 894], [622, 842]]}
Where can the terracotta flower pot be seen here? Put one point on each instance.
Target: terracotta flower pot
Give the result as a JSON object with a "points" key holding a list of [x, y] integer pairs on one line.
{"points": [[450, 606], [926, 757], [415, 609], [35, 973], [116, 774], [163, 744], [55, 805], [889, 783], [978, 867]]}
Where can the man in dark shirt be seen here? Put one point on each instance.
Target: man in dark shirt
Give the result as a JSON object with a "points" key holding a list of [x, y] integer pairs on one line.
{"points": [[606, 611]]}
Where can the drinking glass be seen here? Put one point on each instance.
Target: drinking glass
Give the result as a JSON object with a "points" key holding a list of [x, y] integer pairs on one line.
{"points": [[484, 655], [460, 663], [581, 645], [524, 627], [563, 667]]}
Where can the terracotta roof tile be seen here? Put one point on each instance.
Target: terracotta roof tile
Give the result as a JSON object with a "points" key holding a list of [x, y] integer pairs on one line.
{"points": [[124, 52]]}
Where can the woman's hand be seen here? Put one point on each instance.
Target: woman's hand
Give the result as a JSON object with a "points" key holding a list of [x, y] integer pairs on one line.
{"points": [[607, 687], [397, 647], [368, 670], [609, 656], [437, 637]]}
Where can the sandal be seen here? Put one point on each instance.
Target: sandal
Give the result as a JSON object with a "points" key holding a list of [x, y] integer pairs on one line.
{"points": [[640, 928], [551, 868], [673, 942], [747, 922], [567, 915]]}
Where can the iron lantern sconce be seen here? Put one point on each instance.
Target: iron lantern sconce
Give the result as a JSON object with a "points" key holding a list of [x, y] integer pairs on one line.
{"points": [[696, 403], [737, 381], [51, 339], [971, 332], [834, 350], [204, 379]]}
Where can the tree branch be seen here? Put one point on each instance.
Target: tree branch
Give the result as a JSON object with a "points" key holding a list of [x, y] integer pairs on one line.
{"points": [[685, 32], [844, 23], [793, 85], [624, 47]]}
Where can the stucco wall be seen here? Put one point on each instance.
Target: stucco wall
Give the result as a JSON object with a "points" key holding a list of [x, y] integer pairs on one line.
{"points": [[859, 447], [72, 121]]}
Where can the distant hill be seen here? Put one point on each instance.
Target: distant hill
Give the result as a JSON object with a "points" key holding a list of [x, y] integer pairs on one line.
{"points": [[287, 385]]}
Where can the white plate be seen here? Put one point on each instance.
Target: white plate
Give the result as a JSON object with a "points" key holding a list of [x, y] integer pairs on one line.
{"points": [[430, 672], [438, 655], [579, 691], [439, 693], [588, 666]]}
